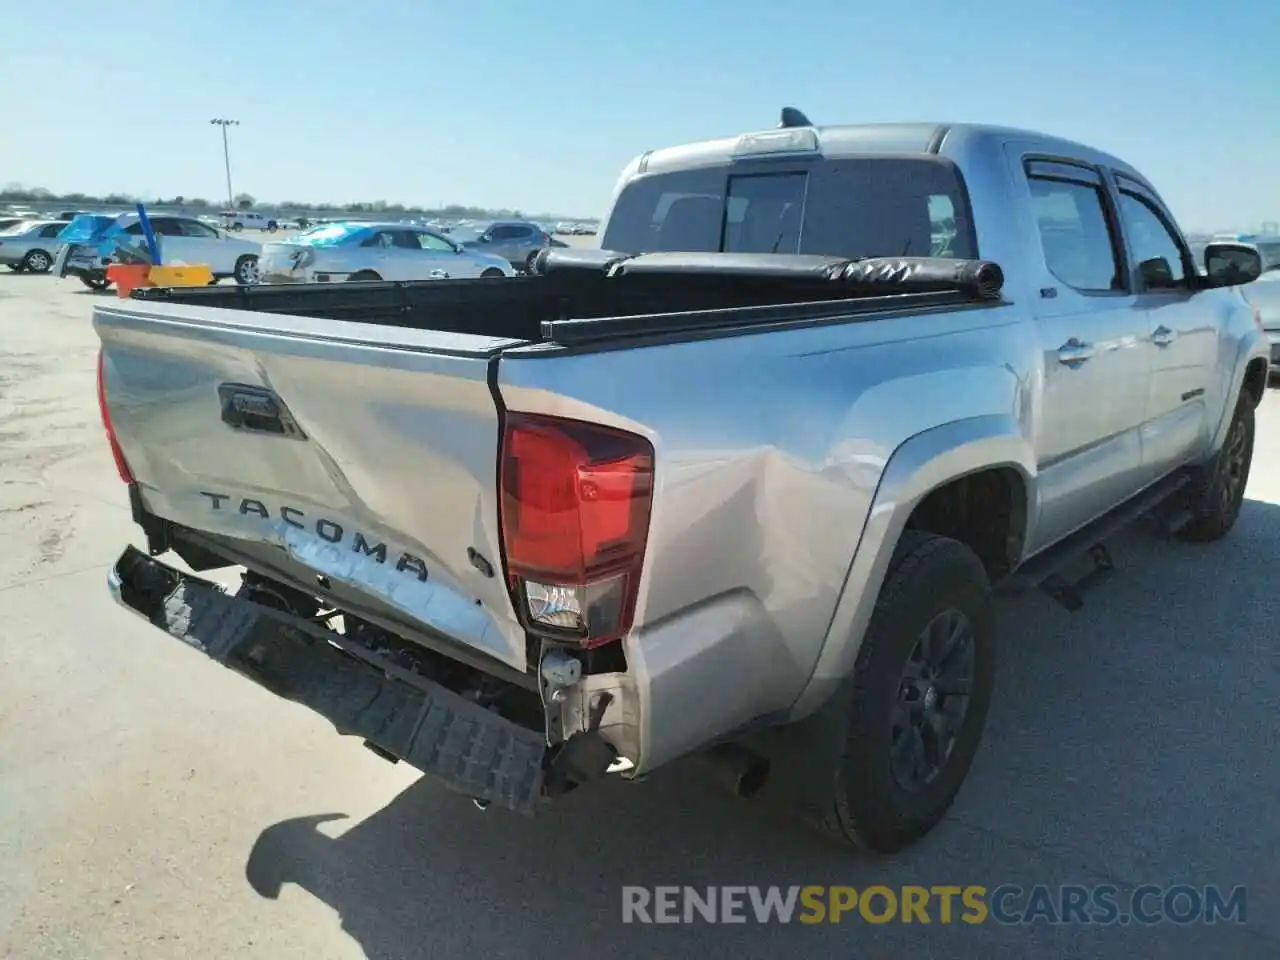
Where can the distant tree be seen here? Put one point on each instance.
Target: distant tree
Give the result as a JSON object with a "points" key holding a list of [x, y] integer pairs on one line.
{"points": [[116, 199], [244, 201], [198, 202]]}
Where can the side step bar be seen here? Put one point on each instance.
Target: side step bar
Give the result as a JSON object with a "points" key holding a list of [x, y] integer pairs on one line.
{"points": [[399, 713], [1045, 570]]}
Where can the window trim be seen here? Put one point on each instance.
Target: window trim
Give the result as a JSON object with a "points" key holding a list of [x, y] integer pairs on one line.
{"points": [[1152, 203], [1080, 173]]}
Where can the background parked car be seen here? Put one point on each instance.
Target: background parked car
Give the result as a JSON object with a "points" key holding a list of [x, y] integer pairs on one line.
{"points": [[9, 222], [88, 242], [1264, 294], [241, 219], [375, 251], [516, 241], [30, 246]]}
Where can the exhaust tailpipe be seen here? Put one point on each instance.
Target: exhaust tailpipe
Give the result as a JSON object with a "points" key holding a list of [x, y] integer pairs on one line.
{"points": [[739, 768]]}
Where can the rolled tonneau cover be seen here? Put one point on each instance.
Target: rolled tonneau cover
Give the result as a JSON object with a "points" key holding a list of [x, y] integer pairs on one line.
{"points": [[982, 279]]}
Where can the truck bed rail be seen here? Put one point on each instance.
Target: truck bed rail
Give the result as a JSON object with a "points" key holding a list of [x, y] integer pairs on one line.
{"points": [[585, 296]]}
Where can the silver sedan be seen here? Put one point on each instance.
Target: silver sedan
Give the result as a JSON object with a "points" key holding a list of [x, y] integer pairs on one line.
{"points": [[30, 246], [374, 251]]}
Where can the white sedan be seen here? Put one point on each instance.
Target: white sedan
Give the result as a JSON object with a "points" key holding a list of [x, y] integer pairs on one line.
{"points": [[375, 251]]}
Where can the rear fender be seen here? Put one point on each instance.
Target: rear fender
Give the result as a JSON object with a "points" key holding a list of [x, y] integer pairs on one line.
{"points": [[920, 465]]}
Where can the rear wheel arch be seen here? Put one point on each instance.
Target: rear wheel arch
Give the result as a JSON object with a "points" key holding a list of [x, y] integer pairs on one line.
{"points": [[987, 510], [991, 449]]}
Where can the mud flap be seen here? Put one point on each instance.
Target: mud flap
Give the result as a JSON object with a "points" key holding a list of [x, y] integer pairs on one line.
{"points": [[471, 749]]}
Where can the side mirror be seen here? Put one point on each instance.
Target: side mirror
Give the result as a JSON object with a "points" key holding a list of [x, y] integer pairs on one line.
{"points": [[1232, 264], [1156, 274]]}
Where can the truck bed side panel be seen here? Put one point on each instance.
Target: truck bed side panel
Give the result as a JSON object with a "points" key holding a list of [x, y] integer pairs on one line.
{"points": [[770, 448]]}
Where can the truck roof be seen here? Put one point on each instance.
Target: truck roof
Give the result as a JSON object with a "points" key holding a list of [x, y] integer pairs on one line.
{"points": [[871, 138]]}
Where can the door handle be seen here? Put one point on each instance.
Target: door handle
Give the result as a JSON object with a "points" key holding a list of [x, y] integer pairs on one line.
{"points": [[1162, 336], [1074, 352]]}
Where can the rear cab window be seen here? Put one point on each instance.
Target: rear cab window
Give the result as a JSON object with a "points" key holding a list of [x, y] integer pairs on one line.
{"points": [[854, 207]]}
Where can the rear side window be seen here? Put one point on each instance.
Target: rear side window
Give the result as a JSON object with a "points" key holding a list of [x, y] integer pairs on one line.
{"points": [[860, 207], [1079, 246]]}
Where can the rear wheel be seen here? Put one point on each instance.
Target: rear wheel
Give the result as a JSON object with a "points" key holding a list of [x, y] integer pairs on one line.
{"points": [[492, 273], [37, 261], [364, 275], [1218, 492], [910, 718], [95, 282]]}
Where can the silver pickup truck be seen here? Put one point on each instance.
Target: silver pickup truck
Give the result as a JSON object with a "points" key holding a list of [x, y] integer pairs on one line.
{"points": [[740, 484]]}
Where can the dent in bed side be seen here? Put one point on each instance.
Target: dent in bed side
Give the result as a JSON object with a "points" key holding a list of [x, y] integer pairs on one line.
{"points": [[919, 466]]}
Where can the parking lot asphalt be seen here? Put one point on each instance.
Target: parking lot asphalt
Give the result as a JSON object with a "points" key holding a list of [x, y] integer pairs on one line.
{"points": [[154, 805]]}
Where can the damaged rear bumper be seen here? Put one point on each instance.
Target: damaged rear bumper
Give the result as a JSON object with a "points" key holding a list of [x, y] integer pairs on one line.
{"points": [[471, 749]]}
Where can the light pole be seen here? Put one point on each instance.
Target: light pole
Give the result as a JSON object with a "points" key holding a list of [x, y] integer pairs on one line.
{"points": [[226, 155]]}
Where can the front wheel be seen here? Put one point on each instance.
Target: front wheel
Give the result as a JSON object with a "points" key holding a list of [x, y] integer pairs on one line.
{"points": [[363, 275], [911, 716], [1217, 494], [95, 282], [247, 272], [492, 273]]}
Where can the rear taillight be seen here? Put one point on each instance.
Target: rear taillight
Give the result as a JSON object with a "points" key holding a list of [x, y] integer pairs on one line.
{"points": [[122, 467], [576, 499]]}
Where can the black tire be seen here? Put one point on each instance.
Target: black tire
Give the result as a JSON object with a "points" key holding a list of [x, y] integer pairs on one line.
{"points": [[1216, 495], [237, 226], [246, 271], [492, 273], [95, 283], [364, 275], [930, 577], [37, 261]]}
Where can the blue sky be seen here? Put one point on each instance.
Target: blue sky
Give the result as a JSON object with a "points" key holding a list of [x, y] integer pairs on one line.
{"points": [[539, 105]]}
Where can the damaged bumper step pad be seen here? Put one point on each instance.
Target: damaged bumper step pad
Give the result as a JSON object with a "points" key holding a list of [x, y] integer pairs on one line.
{"points": [[471, 749]]}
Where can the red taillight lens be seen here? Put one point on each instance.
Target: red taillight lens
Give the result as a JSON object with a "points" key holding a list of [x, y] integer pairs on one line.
{"points": [[122, 467], [576, 499]]}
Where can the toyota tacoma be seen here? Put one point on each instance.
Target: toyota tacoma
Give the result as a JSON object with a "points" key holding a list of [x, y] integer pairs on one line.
{"points": [[742, 483]]}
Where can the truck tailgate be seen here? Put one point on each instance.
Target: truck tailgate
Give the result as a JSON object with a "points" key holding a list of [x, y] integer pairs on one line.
{"points": [[366, 453]]}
